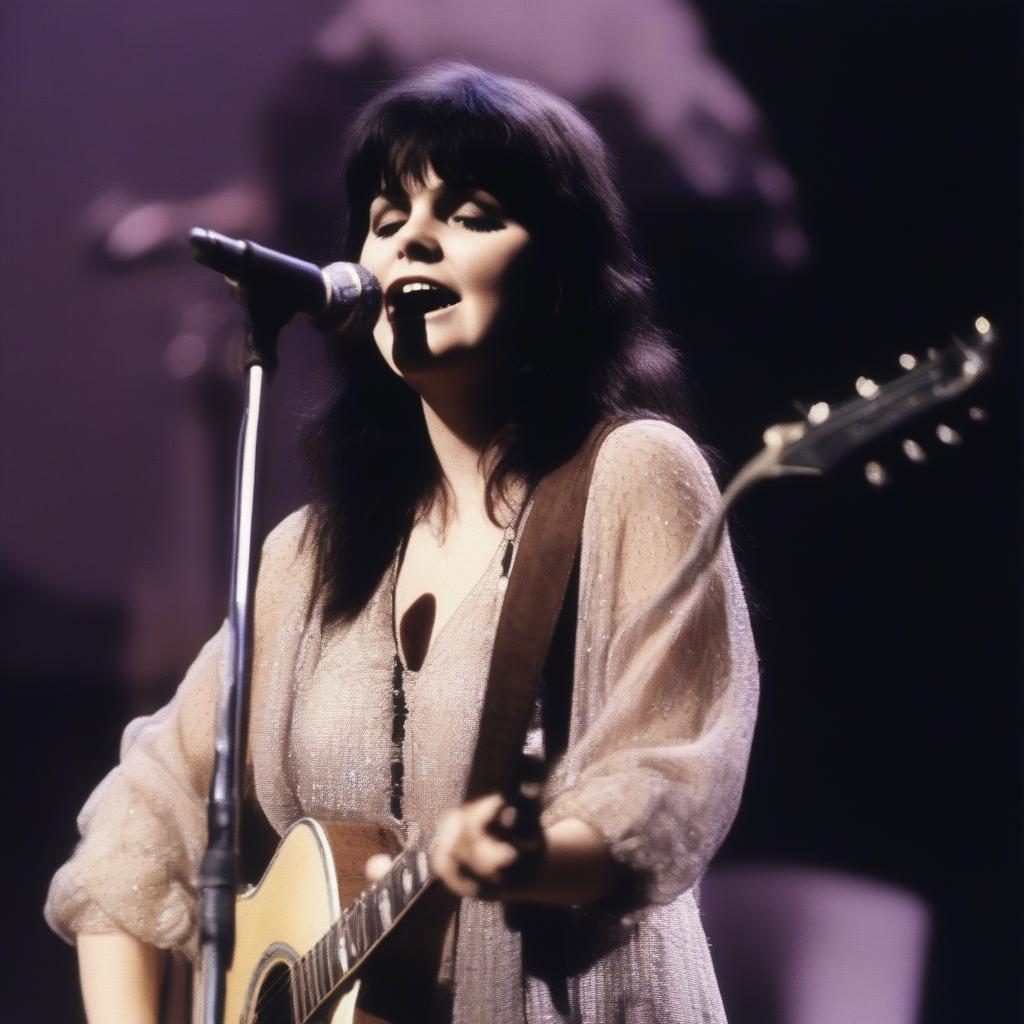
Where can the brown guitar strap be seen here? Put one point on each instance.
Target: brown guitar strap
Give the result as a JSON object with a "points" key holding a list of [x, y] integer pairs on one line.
{"points": [[532, 607]]}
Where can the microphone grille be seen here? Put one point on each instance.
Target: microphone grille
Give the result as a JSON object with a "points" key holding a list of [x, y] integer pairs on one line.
{"points": [[353, 298]]}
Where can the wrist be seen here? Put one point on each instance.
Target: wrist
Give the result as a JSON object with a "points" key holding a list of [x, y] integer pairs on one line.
{"points": [[575, 868]]}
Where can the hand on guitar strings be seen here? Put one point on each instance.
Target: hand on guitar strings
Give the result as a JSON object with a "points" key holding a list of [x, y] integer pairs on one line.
{"points": [[487, 848], [495, 849]]}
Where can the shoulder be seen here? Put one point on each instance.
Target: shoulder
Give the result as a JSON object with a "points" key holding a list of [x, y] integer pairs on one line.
{"points": [[650, 493], [289, 545], [647, 457], [287, 570]]}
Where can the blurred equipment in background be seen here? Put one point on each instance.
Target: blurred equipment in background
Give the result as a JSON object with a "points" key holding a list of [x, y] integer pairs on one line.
{"points": [[177, 596], [794, 945], [684, 129]]}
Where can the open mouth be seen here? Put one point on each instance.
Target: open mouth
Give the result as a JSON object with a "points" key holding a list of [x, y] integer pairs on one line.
{"points": [[418, 298]]}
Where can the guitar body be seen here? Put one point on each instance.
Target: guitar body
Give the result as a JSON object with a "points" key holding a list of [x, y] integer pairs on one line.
{"points": [[316, 872]]}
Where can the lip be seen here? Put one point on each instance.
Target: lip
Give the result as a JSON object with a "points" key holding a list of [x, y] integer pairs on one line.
{"points": [[436, 314], [400, 282]]}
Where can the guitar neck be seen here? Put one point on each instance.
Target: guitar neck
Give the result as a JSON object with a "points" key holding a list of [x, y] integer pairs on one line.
{"points": [[361, 926]]}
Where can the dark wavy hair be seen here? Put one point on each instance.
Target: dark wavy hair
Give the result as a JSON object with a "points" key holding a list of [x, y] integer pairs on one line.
{"points": [[593, 351]]}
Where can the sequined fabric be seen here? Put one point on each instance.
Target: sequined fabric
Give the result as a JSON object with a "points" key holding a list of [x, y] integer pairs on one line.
{"points": [[662, 716]]}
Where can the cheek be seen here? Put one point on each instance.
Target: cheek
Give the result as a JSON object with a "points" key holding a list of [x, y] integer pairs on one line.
{"points": [[515, 291], [369, 257], [504, 278]]}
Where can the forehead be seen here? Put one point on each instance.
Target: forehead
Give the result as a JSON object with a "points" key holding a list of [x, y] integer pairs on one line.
{"points": [[392, 184]]}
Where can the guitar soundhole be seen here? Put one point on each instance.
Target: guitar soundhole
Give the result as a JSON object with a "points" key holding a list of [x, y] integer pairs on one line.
{"points": [[274, 1002]]}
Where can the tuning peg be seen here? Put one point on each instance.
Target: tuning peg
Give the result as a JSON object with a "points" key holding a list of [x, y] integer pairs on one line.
{"points": [[801, 409], [933, 354], [818, 413], [984, 327], [977, 414], [875, 474], [947, 435], [907, 361], [913, 451], [972, 364], [865, 387]]}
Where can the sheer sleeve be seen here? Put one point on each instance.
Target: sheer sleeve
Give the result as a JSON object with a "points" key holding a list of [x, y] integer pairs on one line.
{"points": [[663, 702], [143, 829]]}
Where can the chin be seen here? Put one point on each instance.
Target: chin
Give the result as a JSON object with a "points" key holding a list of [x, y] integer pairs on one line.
{"points": [[429, 349]]}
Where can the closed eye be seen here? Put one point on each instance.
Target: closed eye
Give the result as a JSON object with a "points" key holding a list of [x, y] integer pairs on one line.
{"points": [[473, 223], [388, 229]]}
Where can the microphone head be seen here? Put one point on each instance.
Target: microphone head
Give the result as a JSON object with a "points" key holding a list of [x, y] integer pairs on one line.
{"points": [[353, 299], [217, 251]]}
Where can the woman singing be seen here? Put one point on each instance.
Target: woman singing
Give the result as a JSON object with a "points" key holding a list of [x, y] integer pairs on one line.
{"points": [[516, 317]]}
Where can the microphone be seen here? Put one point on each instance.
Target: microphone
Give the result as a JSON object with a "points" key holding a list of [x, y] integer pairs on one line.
{"points": [[338, 297]]}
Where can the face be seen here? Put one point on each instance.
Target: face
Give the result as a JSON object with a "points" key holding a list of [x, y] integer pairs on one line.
{"points": [[453, 267]]}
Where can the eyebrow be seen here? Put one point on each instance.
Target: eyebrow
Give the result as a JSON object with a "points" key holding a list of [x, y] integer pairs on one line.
{"points": [[395, 194]]}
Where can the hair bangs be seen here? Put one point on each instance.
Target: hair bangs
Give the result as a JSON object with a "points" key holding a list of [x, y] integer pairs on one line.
{"points": [[471, 136]]}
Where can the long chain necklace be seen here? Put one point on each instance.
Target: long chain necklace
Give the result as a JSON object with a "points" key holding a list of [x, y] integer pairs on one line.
{"points": [[399, 708]]}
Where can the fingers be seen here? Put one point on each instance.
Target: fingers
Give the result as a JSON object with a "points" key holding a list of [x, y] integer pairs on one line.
{"points": [[467, 858], [377, 867]]}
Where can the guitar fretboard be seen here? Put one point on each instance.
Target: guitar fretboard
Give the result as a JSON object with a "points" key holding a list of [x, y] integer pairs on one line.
{"points": [[362, 924]]}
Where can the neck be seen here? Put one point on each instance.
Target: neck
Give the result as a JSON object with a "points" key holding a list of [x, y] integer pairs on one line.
{"points": [[460, 434]]}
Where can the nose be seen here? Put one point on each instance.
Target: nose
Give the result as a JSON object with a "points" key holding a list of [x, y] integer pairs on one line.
{"points": [[417, 240]]}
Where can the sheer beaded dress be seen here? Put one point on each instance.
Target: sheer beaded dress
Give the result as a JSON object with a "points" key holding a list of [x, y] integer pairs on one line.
{"points": [[659, 736]]}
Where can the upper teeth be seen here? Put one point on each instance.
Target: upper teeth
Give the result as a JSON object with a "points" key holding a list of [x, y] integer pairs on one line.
{"points": [[418, 286]]}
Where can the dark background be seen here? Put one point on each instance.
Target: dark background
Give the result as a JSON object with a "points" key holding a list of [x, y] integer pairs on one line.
{"points": [[888, 622]]}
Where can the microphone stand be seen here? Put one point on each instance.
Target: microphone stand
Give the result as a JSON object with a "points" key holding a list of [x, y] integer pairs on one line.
{"points": [[218, 873]]}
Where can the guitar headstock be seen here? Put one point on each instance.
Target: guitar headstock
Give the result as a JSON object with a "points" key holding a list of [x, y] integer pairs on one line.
{"points": [[828, 433]]}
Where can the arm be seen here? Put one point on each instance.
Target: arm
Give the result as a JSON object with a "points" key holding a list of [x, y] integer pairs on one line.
{"points": [[663, 703], [144, 827], [120, 978], [663, 699]]}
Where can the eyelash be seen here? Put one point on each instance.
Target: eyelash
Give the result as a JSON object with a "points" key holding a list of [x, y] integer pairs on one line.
{"points": [[470, 223], [479, 223]]}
